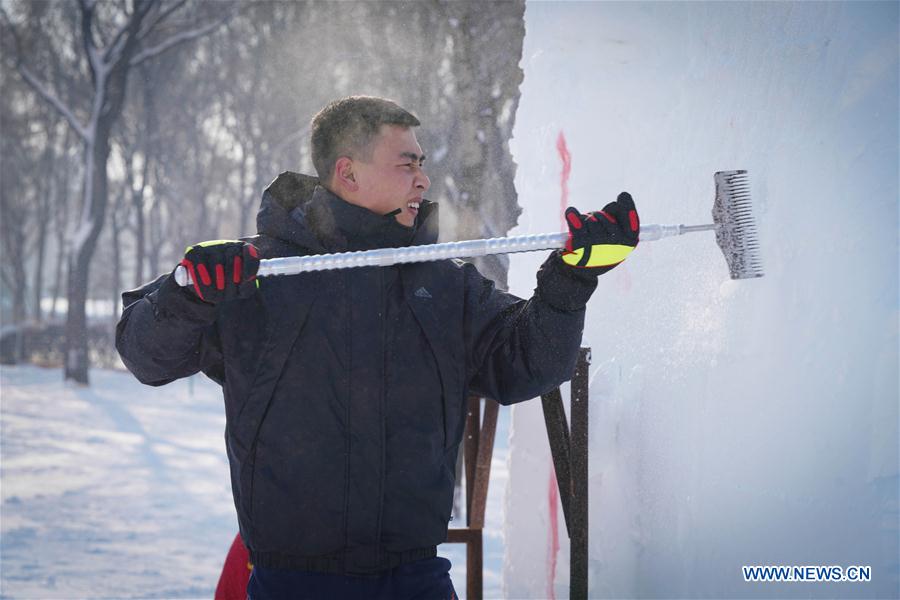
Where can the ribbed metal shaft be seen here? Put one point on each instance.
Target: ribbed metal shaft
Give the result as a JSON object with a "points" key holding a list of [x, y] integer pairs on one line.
{"points": [[382, 257]]}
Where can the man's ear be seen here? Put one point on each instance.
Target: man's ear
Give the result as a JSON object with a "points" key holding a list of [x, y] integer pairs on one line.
{"points": [[344, 175]]}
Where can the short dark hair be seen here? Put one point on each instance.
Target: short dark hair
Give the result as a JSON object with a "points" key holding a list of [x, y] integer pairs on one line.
{"points": [[348, 126]]}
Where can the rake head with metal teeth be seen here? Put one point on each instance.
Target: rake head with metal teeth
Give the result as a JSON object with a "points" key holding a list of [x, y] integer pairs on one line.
{"points": [[735, 229]]}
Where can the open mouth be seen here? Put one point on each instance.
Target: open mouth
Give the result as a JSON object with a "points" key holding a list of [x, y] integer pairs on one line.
{"points": [[413, 208]]}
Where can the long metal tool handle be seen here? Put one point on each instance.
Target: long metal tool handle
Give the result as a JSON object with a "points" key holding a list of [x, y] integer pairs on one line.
{"points": [[383, 257]]}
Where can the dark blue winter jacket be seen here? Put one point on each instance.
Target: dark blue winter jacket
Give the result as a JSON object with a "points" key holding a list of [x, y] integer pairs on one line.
{"points": [[345, 390]]}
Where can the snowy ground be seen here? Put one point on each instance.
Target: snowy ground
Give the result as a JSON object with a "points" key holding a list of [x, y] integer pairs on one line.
{"points": [[120, 490]]}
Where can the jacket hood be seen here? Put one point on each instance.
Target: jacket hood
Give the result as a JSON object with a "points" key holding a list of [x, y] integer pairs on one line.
{"points": [[297, 210]]}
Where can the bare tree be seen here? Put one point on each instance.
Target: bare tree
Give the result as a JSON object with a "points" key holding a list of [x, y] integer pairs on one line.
{"points": [[15, 207], [204, 132], [22, 146], [115, 38]]}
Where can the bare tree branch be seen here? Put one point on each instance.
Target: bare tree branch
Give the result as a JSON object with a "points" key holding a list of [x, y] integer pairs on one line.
{"points": [[38, 86], [180, 38], [87, 37], [7, 276], [49, 97], [160, 17], [113, 52], [116, 42]]}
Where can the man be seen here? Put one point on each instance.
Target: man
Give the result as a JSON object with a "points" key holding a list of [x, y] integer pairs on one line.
{"points": [[345, 390]]}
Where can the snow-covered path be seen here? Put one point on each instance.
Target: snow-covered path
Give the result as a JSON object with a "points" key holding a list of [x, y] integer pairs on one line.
{"points": [[120, 490], [115, 490]]}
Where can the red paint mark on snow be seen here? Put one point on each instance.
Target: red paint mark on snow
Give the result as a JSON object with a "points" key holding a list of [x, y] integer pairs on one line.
{"points": [[553, 501], [563, 176], [552, 490]]}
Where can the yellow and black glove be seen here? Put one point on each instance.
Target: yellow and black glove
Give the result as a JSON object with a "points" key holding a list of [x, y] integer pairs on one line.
{"points": [[599, 241], [222, 269]]}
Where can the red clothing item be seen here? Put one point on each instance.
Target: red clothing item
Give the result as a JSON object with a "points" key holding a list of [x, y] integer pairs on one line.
{"points": [[235, 572]]}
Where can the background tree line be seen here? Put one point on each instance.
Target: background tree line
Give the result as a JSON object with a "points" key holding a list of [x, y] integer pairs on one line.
{"points": [[133, 128]]}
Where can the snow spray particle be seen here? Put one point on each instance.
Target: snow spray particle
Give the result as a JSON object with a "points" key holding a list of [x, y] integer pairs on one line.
{"points": [[563, 177]]}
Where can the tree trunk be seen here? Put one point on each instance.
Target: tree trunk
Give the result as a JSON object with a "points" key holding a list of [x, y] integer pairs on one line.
{"points": [[82, 251], [14, 206], [116, 260], [134, 195], [60, 217], [138, 202], [155, 235], [76, 351], [44, 200], [19, 288], [155, 216], [140, 233], [60, 254], [38, 282], [243, 203]]}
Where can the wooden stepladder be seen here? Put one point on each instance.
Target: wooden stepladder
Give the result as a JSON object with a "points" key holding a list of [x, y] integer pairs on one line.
{"points": [[570, 460], [478, 441]]}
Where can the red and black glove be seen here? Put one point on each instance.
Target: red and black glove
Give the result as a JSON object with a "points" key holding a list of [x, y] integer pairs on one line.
{"points": [[222, 269], [599, 241]]}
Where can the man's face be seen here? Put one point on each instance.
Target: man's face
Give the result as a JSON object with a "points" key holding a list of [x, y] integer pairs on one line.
{"points": [[393, 178]]}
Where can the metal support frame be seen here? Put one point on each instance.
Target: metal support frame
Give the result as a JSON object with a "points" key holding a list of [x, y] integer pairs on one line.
{"points": [[569, 448], [570, 459]]}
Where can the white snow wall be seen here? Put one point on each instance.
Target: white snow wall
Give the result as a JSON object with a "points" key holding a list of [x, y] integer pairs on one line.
{"points": [[732, 422]]}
